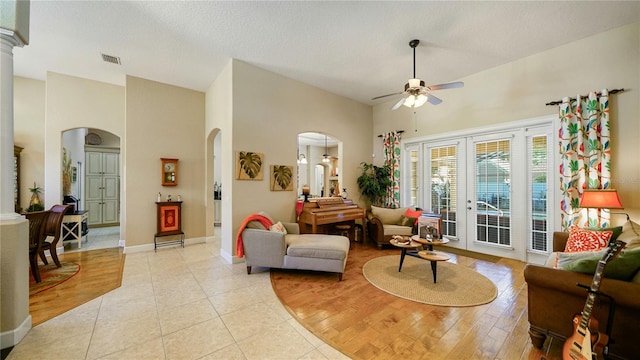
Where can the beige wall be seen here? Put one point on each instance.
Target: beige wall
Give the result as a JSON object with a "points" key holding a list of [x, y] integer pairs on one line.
{"points": [[73, 102], [28, 132], [520, 89], [163, 121], [269, 111]]}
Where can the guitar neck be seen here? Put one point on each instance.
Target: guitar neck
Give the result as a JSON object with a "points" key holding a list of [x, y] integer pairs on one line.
{"points": [[591, 298]]}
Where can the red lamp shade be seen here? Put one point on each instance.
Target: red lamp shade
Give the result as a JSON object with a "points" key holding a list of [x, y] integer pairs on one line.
{"points": [[600, 199]]}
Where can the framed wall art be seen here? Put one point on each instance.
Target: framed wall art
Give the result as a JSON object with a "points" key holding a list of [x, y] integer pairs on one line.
{"points": [[169, 218], [281, 178], [169, 168], [249, 165]]}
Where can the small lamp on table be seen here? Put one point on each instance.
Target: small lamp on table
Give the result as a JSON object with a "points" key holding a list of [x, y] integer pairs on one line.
{"points": [[600, 199]]}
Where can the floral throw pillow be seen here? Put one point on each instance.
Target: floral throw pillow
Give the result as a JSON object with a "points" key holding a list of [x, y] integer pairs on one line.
{"points": [[278, 227], [586, 240]]}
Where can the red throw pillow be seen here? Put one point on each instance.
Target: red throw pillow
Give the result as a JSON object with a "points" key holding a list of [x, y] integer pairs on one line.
{"points": [[586, 240], [413, 214]]}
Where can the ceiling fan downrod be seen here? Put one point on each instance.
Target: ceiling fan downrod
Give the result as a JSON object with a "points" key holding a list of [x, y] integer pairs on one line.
{"points": [[413, 44]]}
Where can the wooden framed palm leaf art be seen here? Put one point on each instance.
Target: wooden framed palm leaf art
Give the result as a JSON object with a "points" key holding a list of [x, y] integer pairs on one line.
{"points": [[281, 178], [249, 165]]}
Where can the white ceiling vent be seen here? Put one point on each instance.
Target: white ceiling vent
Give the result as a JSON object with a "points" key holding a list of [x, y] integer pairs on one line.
{"points": [[111, 59]]}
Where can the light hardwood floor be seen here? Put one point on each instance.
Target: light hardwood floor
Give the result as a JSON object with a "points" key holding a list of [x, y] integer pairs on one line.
{"points": [[100, 272], [366, 323], [355, 317]]}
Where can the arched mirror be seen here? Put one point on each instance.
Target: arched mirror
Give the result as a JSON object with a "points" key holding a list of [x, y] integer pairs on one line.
{"points": [[318, 164]]}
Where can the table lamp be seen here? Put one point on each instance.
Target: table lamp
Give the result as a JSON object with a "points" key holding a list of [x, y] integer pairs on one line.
{"points": [[600, 199]]}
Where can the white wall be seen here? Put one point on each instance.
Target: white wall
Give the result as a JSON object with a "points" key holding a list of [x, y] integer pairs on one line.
{"points": [[73, 141], [520, 89]]}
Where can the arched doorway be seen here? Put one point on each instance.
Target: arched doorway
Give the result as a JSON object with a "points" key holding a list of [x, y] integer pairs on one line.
{"points": [[213, 185], [91, 169], [321, 169]]}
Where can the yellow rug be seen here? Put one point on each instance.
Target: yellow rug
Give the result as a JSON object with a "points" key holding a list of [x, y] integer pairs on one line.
{"points": [[52, 276], [456, 285]]}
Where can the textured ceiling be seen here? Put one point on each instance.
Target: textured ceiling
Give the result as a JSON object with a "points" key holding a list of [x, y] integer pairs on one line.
{"points": [[355, 49]]}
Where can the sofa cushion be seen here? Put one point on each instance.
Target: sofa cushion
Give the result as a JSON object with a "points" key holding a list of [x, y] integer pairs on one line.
{"points": [[317, 246], [398, 230], [559, 260], [586, 240], [278, 227], [413, 214], [257, 225], [407, 221], [624, 267], [388, 216], [630, 235]]}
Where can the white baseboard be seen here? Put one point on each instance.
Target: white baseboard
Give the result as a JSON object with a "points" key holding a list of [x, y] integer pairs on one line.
{"points": [[13, 337], [149, 247], [230, 259]]}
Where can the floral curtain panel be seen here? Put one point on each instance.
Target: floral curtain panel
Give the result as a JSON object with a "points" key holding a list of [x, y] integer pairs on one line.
{"points": [[585, 157], [392, 158]]}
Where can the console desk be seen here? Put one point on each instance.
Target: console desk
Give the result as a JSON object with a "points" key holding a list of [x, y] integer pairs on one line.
{"points": [[74, 226]]}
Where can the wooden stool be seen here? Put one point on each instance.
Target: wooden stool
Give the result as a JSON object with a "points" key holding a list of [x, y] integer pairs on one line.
{"points": [[343, 229]]}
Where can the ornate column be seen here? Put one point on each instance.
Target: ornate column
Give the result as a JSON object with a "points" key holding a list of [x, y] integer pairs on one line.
{"points": [[15, 320]]}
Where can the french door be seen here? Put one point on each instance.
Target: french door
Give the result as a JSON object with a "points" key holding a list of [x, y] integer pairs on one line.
{"points": [[490, 189]]}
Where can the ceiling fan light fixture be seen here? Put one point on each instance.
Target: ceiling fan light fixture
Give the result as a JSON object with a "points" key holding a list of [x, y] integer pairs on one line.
{"points": [[409, 101], [414, 83], [420, 100], [325, 156], [302, 159]]}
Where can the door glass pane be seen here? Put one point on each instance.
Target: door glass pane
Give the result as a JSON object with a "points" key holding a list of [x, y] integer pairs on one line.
{"points": [[537, 147], [493, 191], [444, 186]]}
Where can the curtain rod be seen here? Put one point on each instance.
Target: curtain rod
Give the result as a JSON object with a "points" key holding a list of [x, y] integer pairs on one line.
{"points": [[558, 102], [398, 131]]}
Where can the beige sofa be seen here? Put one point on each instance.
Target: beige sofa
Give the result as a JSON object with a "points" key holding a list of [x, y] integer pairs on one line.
{"points": [[383, 223], [315, 252]]}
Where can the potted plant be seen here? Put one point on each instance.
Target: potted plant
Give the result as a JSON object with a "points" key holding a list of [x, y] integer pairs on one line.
{"points": [[374, 182], [34, 203]]}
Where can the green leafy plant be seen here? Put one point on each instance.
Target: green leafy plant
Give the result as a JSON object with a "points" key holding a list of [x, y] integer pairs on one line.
{"points": [[374, 182], [34, 203]]}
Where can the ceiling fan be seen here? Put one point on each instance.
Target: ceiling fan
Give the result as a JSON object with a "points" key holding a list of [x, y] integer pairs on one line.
{"points": [[415, 92]]}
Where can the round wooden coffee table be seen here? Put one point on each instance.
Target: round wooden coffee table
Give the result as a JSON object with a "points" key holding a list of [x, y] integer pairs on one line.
{"points": [[429, 243], [405, 243], [433, 257]]}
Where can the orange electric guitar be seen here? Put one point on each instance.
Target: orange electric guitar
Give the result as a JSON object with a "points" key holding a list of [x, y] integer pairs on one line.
{"points": [[586, 343]]}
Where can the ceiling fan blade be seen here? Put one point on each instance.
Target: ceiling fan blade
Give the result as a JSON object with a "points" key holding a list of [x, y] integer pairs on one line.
{"points": [[380, 97], [433, 100], [398, 104], [452, 85]]}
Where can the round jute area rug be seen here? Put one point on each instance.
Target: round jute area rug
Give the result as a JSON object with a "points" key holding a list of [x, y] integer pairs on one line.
{"points": [[456, 285]]}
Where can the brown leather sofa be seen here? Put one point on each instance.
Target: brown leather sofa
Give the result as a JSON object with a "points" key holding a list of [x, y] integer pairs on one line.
{"points": [[554, 298]]}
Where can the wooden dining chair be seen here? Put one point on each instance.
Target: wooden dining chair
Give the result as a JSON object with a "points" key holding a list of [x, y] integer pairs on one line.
{"points": [[36, 237], [53, 228]]}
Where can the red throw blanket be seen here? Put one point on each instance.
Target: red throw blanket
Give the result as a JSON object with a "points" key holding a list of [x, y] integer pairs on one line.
{"points": [[253, 217]]}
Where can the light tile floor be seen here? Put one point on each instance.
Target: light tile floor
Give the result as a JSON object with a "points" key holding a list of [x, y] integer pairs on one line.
{"points": [[178, 303], [97, 238]]}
